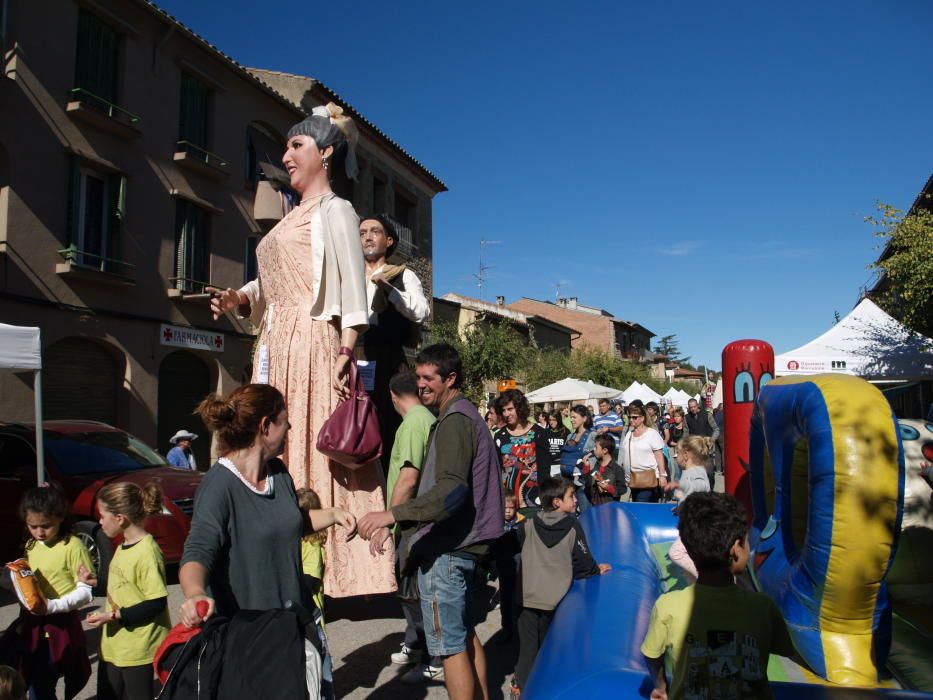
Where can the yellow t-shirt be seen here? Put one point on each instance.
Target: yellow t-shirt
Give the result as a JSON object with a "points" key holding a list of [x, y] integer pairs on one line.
{"points": [[137, 574], [56, 565], [719, 639], [312, 564]]}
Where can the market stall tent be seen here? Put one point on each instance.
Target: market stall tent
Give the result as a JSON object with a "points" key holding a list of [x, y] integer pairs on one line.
{"points": [[639, 391], [571, 390], [867, 343], [21, 349]]}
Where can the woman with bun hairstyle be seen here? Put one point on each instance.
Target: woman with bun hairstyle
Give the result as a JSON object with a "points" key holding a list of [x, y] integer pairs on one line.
{"points": [[135, 619], [244, 547], [310, 304]]}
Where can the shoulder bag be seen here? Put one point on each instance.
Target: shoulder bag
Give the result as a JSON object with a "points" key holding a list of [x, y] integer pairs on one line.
{"points": [[640, 478], [351, 435]]}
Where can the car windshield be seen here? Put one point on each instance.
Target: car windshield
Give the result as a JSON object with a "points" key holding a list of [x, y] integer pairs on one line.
{"points": [[100, 452]]}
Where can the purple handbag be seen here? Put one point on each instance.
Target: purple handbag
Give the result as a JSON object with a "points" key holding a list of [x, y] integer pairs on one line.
{"points": [[351, 435]]}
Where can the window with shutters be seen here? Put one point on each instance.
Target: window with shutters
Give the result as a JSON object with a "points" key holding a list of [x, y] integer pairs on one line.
{"points": [[193, 130], [96, 62], [97, 215], [192, 248], [250, 265]]}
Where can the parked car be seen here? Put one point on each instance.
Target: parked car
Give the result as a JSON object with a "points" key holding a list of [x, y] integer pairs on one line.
{"points": [[81, 457]]}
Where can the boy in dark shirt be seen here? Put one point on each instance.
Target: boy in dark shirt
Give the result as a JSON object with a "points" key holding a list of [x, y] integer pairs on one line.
{"points": [[554, 552]]}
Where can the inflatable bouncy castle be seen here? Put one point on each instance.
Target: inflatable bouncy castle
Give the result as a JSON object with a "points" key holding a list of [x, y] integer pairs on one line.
{"points": [[823, 462]]}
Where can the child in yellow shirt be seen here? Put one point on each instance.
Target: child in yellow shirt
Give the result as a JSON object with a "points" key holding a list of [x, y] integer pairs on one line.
{"points": [[136, 618], [52, 642], [312, 549]]}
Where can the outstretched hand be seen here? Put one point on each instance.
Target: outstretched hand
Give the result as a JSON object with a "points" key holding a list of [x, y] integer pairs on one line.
{"points": [[222, 300], [84, 575], [346, 519], [378, 540], [603, 568], [371, 522]]}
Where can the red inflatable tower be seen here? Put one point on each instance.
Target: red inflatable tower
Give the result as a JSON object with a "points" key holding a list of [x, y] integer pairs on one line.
{"points": [[747, 365]]}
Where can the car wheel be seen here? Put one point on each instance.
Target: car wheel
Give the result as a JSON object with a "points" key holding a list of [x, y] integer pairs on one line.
{"points": [[100, 549]]}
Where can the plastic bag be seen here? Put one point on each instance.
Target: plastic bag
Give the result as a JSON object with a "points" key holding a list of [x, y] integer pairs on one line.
{"points": [[26, 587]]}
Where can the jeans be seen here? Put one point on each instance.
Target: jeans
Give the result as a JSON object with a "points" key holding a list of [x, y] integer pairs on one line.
{"points": [[446, 587]]}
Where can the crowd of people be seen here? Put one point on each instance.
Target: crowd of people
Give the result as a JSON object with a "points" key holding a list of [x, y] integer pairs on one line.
{"points": [[453, 496]]}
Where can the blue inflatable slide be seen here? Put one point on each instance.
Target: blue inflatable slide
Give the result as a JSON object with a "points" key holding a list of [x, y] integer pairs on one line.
{"points": [[592, 649]]}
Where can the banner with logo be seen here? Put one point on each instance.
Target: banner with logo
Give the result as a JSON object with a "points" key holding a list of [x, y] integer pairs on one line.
{"points": [[191, 338]]}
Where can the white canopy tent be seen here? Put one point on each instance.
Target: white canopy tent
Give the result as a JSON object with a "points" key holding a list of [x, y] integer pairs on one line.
{"points": [[571, 390], [641, 392], [21, 349], [868, 343]]}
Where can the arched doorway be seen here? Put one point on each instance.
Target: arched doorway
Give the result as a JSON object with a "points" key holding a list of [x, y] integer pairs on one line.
{"points": [[184, 381], [80, 380]]}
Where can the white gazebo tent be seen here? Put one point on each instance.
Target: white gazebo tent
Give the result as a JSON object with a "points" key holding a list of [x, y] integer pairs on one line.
{"points": [[571, 390], [641, 392], [672, 396], [868, 343], [21, 349]]}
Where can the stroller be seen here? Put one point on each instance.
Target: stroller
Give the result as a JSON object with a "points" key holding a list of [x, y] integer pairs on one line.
{"points": [[267, 654]]}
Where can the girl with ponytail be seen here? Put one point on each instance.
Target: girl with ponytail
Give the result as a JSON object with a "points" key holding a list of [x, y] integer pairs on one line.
{"points": [[693, 454], [136, 619]]}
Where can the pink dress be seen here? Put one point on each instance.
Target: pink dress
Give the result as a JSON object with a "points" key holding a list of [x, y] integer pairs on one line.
{"points": [[301, 353]]}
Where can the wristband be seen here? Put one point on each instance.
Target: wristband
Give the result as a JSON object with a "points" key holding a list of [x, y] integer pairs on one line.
{"points": [[344, 350]]}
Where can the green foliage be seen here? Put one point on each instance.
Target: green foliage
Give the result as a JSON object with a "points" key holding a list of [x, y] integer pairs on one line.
{"points": [[490, 350], [906, 288], [670, 346]]}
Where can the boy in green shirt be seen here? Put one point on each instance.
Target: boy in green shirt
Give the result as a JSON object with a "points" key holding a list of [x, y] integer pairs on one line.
{"points": [[405, 462], [719, 635]]}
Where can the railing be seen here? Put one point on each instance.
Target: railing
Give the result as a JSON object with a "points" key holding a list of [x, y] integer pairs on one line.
{"points": [[189, 285], [108, 107], [75, 256], [202, 153]]}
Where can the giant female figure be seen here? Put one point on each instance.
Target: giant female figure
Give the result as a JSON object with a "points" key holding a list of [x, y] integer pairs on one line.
{"points": [[309, 303]]}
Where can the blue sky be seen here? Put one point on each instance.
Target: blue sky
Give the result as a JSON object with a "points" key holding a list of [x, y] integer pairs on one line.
{"points": [[700, 168]]}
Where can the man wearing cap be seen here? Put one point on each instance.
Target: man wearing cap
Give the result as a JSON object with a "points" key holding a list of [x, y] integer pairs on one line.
{"points": [[397, 308], [181, 455]]}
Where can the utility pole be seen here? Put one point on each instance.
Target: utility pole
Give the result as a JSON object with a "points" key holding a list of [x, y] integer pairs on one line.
{"points": [[483, 268]]}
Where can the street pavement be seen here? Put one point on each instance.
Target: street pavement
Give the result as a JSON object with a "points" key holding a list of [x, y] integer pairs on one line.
{"points": [[362, 634]]}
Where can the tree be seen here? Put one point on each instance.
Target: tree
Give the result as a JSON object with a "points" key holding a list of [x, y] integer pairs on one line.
{"points": [[490, 350], [905, 289], [669, 346]]}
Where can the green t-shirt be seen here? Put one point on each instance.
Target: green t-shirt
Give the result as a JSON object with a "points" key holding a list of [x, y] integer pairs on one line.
{"points": [[136, 574], [56, 565], [719, 639], [411, 445], [312, 564]]}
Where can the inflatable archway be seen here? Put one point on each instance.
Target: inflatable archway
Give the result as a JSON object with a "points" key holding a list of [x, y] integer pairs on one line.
{"points": [[827, 492]]}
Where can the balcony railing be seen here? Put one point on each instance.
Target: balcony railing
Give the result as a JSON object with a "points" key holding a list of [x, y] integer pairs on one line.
{"points": [[201, 153], [72, 254], [106, 106], [189, 285]]}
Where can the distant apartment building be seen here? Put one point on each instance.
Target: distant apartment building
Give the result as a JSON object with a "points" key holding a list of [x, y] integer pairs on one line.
{"points": [[598, 328], [138, 164], [537, 331]]}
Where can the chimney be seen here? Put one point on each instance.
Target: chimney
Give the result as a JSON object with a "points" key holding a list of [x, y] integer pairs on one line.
{"points": [[571, 303], [500, 301]]}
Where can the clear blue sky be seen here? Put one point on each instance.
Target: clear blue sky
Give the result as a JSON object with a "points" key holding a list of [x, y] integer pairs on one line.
{"points": [[700, 168]]}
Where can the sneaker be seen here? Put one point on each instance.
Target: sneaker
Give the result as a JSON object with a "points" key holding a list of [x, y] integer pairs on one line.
{"points": [[423, 674], [405, 656]]}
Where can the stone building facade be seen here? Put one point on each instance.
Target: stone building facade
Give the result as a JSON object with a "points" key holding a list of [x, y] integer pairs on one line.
{"points": [[130, 162]]}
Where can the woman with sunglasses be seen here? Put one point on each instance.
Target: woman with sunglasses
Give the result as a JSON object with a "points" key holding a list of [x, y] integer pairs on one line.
{"points": [[642, 452]]}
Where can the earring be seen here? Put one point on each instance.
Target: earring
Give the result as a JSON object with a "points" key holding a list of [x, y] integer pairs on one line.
{"points": [[324, 163]]}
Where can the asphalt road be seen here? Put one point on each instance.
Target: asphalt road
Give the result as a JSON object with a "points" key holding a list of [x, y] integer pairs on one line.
{"points": [[362, 634]]}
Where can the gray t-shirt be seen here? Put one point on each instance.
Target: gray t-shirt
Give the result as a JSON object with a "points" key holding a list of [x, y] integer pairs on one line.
{"points": [[693, 480], [249, 543]]}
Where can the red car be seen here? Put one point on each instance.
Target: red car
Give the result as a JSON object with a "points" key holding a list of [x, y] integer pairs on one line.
{"points": [[81, 457]]}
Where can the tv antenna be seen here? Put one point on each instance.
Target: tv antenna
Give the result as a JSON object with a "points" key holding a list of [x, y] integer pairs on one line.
{"points": [[559, 286], [483, 268]]}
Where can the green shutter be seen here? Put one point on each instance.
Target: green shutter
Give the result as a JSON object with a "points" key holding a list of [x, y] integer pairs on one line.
{"points": [[117, 192], [74, 201], [181, 241], [193, 118], [96, 59]]}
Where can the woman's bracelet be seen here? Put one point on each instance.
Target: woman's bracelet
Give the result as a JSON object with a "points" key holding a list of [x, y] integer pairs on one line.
{"points": [[344, 350]]}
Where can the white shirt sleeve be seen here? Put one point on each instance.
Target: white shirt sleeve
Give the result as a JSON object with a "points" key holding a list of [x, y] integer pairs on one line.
{"points": [[411, 303], [80, 597]]}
